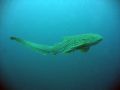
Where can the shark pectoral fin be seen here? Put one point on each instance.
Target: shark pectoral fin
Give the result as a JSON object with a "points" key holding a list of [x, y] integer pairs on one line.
{"points": [[84, 49]]}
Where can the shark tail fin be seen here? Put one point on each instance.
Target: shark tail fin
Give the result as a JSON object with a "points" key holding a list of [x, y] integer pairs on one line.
{"points": [[43, 49]]}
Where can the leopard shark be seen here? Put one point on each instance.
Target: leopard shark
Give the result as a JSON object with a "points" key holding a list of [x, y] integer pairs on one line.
{"points": [[82, 42]]}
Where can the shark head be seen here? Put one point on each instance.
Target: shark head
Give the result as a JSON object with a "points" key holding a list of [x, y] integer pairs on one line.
{"points": [[91, 39], [82, 42]]}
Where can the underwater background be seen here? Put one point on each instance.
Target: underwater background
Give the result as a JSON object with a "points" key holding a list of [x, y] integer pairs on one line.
{"points": [[47, 22]]}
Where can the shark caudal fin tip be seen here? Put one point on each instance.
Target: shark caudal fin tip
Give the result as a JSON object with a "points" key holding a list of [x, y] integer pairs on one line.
{"points": [[12, 37]]}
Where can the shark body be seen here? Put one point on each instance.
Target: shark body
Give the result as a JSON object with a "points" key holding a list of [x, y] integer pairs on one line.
{"points": [[69, 44]]}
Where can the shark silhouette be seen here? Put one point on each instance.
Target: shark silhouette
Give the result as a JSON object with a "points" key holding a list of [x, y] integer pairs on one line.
{"points": [[69, 44]]}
